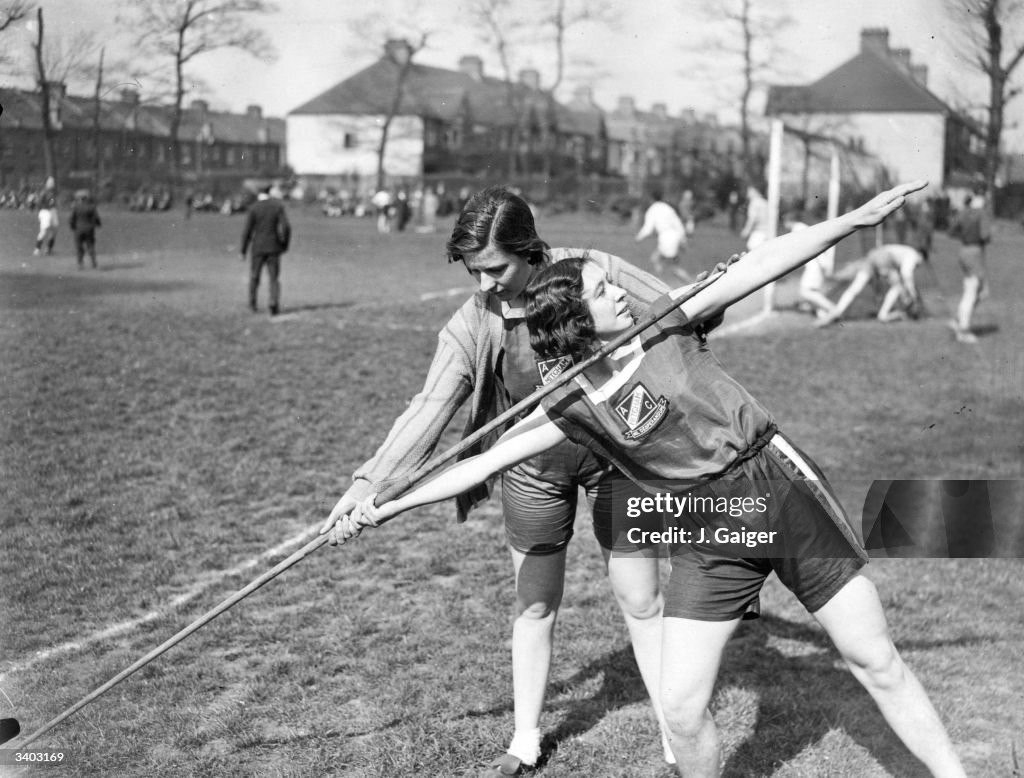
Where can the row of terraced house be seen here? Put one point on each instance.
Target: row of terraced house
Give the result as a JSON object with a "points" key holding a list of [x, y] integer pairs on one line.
{"points": [[123, 144], [462, 126]]}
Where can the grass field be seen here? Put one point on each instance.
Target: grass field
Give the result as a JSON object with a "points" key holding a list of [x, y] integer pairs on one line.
{"points": [[162, 446]]}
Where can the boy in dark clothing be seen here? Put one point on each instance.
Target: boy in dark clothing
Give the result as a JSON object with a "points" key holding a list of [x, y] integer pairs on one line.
{"points": [[84, 221]]}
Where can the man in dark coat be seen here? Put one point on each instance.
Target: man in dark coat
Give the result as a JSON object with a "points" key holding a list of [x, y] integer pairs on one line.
{"points": [[84, 221], [268, 232]]}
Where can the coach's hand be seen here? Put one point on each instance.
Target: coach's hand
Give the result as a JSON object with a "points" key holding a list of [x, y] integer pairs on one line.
{"points": [[340, 529]]}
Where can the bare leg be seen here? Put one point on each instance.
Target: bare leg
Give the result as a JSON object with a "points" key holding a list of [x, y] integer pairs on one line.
{"points": [[965, 311], [821, 304], [855, 621], [539, 585], [887, 312], [635, 583], [846, 300], [691, 655]]}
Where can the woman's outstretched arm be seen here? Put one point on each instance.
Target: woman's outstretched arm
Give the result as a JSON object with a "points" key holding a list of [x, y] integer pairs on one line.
{"points": [[530, 437]]}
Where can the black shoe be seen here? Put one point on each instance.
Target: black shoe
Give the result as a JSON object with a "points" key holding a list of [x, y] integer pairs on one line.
{"points": [[274, 310], [506, 765], [253, 308]]}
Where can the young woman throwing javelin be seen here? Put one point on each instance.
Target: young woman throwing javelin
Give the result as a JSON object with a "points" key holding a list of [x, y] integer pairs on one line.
{"points": [[665, 411], [484, 358]]}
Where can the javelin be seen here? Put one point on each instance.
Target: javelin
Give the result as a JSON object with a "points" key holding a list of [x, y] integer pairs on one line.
{"points": [[393, 490]]}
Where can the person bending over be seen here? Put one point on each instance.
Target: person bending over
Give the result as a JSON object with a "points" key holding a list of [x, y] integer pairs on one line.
{"points": [[664, 410]]}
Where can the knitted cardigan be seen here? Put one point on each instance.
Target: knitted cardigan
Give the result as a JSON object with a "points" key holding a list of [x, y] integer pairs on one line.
{"points": [[464, 368]]}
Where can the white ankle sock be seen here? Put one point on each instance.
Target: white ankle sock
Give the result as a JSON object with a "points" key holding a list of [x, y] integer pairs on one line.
{"points": [[526, 745]]}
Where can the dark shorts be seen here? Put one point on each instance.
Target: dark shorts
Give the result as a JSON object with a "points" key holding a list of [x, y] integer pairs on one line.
{"points": [[539, 498], [818, 551], [972, 261]]}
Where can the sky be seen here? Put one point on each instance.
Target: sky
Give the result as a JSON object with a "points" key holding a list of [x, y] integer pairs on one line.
{"points": [[651, 53]]}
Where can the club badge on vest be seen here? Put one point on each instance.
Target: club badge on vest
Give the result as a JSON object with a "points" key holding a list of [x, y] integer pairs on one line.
{"points": [[640, 412], [550, 369]]}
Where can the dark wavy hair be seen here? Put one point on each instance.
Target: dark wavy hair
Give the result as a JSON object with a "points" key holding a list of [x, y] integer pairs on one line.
{"points": [[557, 317], [496, 217]]}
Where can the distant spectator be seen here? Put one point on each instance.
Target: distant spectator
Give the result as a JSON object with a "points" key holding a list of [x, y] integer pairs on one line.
{"points": [[84, 221], [733, 204], [401, 210], [431, 203], [268, 232], [48, 219], [971, 227], [686, 212], [381, 202], [755, 230]]}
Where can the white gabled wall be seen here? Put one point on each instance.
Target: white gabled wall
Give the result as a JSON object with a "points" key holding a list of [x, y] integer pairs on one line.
{"points": [[316, 145], [910, 145]]}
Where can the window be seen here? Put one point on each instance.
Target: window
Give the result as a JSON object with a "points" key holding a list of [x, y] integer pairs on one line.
{"points": [[349, 140]]}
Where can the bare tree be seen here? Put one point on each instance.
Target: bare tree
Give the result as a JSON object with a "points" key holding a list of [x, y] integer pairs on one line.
{"points": [[43, 82], [500, 23], [183, 30], [406, 34], [744, 32], [403, 61], [55, 61], [990, 34], [563, 18], [12, 12]]}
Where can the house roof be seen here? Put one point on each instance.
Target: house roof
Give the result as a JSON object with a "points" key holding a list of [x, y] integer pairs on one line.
{"points": [[22, 109], [437, 93], [870, 82]]}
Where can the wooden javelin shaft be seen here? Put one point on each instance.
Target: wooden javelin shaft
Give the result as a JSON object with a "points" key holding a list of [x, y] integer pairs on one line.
{"points": [[395, 489]]}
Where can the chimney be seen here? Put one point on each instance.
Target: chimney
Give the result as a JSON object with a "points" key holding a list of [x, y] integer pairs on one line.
{"points": [[902, 57], [688, 115], [660, 111], [398, 50], [875, 39], [530, 78], [626, 105], [130, 96], [711, 120], [920, 74], [583, 95], [254, 112], [58, 91], [201, 107], [472, 66]]}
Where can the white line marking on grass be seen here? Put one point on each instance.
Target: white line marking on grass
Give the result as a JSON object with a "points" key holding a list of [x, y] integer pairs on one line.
{"points": [[450, 292], [115, 630], [342, 324]]}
